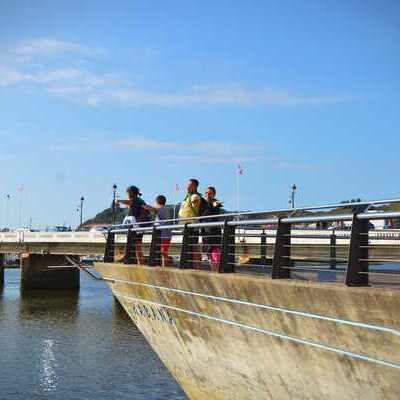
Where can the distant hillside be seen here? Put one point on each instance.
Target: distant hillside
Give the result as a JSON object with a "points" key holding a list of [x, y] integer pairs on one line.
{"points": [[106, 216]]}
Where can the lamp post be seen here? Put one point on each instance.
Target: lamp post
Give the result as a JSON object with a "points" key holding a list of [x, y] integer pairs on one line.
{"points": [[113, 204], [81, 209], [294, 188], [77, 214]]}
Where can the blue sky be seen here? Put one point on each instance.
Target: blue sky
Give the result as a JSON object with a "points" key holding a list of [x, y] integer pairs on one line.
{"points": [[152, 93]]}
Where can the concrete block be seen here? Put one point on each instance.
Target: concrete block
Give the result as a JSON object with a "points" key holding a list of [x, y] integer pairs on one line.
{"points": [[48, 272]]}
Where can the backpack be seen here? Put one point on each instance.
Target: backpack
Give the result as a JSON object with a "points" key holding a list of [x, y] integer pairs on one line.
{"points": [[203, 204], [145, 216]]}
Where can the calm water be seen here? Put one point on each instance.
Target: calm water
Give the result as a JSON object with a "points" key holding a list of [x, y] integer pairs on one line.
{"points": [[75, 346]]}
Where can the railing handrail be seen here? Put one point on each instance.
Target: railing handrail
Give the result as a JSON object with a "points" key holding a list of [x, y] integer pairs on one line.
{"points": [[288, 220], [231, 232], [272, 212]]}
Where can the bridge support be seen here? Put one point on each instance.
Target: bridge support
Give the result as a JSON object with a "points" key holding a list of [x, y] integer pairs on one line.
{"points": [[48, 271], [1, 269]]}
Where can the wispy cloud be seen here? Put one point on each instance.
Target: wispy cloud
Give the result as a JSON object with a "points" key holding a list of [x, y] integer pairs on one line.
{"points": [[215, 147], [228, 95], [205, 151], [49, 47], [143, 143], [211, 158], [57, 76], [36, 62]]}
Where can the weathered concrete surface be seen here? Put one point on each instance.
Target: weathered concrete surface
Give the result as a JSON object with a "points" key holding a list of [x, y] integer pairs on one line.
{"points": [[79, 243], [55, 248], [40, 272], [233, 336]]}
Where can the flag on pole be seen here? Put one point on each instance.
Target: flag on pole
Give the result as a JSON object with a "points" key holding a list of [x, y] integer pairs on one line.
{"points": [[240, 170]]}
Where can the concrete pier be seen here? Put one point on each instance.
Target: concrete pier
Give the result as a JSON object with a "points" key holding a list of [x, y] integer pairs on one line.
{"points": [[239, 337], [1, 269], [48, 272]]}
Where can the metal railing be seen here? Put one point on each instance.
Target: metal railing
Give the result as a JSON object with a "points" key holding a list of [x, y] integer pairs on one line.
{"points": [[216, 241]]}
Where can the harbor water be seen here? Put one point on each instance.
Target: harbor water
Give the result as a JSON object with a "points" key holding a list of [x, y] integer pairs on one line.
{"points": [[75, 346]]}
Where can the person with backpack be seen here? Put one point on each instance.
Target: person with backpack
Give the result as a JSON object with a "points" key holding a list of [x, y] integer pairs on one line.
{"points": [[191, 208], [192, 204], [211, 236], [137, 214]]}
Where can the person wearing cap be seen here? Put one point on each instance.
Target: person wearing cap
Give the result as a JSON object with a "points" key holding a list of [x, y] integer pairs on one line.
{"points": [[136, 213], [189, 211]]}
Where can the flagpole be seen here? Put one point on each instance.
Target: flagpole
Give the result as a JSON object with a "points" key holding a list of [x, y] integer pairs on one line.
{"points": [[20, 210], [175, 198], [237, 191], [8, 211], [20, 189], [239, 172]]}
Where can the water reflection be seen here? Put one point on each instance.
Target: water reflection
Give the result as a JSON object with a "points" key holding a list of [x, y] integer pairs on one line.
{"points": [[48, 375], [75, 345], [49, 305]]}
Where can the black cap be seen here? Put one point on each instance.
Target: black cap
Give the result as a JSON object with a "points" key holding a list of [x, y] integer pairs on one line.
{"points": [[134, 190]]}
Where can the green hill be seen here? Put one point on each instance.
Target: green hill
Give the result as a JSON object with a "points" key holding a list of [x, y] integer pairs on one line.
{"points": [[106, 216]]}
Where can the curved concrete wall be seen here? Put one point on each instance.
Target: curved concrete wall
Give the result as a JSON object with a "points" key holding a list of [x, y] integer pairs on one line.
{"points": [[233, 336]]}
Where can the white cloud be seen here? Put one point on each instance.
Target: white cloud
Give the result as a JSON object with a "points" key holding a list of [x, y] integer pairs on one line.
{"points": [[228, 95], [225, 148], [48, 47], [10, 76], [65, 78], [143, 143]]}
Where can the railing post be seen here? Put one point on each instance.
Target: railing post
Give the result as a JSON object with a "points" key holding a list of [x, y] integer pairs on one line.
{"points": [[2, 262], [332, 250], [130, 249], [186, 250], [155, 248], [357, 264], [281, 261], [109, 252], [263, 248], [227, 261]]}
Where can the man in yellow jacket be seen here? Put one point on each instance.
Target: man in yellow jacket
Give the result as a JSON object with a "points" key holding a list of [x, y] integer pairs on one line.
{"points": [[191, 208]]}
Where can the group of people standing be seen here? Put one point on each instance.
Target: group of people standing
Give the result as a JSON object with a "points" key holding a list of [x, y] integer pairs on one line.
{"points": [[192, 208]]}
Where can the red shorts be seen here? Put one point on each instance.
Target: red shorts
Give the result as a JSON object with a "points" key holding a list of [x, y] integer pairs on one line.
{"points": [[165, 245]]}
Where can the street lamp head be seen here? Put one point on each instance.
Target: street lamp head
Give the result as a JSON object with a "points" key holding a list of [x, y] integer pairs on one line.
{"points": [[115, 186], [82, 198], [294, 187]]}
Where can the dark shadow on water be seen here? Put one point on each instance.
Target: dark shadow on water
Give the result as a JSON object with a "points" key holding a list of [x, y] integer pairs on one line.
{"points": [[49, 304], [119, 312]]}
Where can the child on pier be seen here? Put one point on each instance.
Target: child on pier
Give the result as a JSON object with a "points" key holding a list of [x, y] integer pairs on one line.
{"points": [[161, 214]]}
